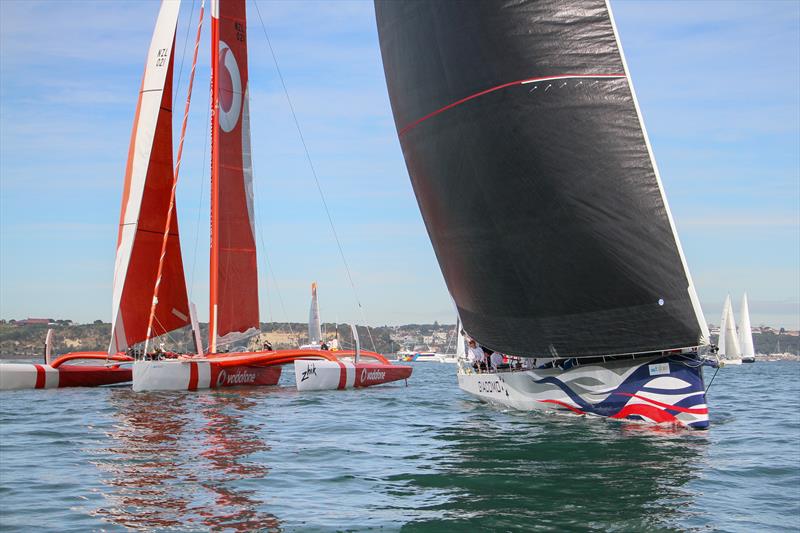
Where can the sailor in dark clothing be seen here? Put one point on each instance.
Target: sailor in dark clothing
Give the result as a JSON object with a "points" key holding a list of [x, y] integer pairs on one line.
{"points": [[487, 354]]}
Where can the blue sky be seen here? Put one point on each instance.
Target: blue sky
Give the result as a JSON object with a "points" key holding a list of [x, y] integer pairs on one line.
{"points": [[718, 83]]}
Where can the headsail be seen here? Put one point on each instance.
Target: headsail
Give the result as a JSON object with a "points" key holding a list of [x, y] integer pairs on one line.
{"points": [[314, 327], [234, 277], [145, 201], [728, 343], [745, 330], [531, 167]]}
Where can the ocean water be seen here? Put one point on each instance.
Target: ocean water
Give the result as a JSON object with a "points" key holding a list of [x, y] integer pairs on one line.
{"points": [[425, 457]]}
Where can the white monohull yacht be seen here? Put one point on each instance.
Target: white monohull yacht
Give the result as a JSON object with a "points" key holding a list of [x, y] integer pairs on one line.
{"points": [[532, 168]]}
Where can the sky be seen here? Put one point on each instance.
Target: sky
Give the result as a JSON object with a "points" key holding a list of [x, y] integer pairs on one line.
{"points": [[718, 84]]}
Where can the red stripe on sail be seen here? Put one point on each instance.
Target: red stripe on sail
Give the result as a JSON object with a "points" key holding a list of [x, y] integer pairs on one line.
{"points": [[234, 282], [126, 190], [497, 88]]}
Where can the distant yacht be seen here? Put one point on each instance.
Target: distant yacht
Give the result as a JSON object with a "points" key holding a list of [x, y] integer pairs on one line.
{"points": [[315, 326], [730, 352], [746, 333]]}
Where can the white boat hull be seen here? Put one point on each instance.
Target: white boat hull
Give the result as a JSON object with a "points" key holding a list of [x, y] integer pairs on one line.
{"points": [[345, 374], [654, 390], [184, 374], [19, 376]]}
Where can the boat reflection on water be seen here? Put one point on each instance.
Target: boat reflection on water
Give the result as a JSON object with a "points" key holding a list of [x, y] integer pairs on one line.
{"points": [[228, 443], [179, 460], [557, 473]]}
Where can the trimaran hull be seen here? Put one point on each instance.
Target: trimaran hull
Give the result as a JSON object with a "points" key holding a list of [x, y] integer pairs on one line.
{"points": [[315, 370], [661, 390], [17, 376], [104, 370], [200, 374]]}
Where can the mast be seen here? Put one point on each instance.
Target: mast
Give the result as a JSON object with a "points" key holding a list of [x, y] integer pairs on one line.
{"points": [[145, 204], [535, 179], [234, 277]]}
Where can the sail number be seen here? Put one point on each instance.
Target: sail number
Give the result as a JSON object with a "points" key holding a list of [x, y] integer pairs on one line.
{"points": [[239, 31], [161, 57]]}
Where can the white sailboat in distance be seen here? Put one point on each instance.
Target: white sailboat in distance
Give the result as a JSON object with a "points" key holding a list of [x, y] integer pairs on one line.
{"points": [[729, 351], [746, 333]]}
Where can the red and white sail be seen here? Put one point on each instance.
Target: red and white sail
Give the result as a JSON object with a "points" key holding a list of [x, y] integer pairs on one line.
{"points": [[145, 202], [234, 277]]}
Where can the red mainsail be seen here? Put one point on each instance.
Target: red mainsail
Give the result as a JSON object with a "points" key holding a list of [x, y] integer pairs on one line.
{"points": [[145, 202], [234, 277]]}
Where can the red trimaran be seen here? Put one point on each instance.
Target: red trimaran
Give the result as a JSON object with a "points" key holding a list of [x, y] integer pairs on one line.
{"points": [[149, 291]]}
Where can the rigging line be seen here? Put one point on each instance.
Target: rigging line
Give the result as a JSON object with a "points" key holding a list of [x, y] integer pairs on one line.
{"points": [[202, 189], [275, 281], [270, 272], [183, 56], [170, 338], [313, 172], [712, 380]]}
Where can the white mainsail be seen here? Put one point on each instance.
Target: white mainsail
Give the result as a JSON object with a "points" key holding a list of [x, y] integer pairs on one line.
{"points": [[745, 331], [728, 340]]}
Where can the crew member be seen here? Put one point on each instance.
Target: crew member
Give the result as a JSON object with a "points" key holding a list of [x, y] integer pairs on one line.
{"points": [[496, 359], [487, 354], [475, 354]]}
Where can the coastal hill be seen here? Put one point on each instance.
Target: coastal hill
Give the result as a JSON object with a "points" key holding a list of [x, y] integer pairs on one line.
{"points": [[25, 338]]}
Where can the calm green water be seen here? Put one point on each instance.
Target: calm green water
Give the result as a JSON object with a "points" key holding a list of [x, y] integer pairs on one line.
{"points": [[420, 458]]}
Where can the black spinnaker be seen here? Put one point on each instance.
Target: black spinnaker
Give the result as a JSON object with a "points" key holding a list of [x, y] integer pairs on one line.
{"points": [[531, 168]]}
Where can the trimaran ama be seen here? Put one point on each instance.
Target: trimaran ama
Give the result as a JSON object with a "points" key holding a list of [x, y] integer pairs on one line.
{"points": [[149, 290], [529, 159]]}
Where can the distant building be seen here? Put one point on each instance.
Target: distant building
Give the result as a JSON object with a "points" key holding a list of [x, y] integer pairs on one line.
{"points": [[35, 322]]}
